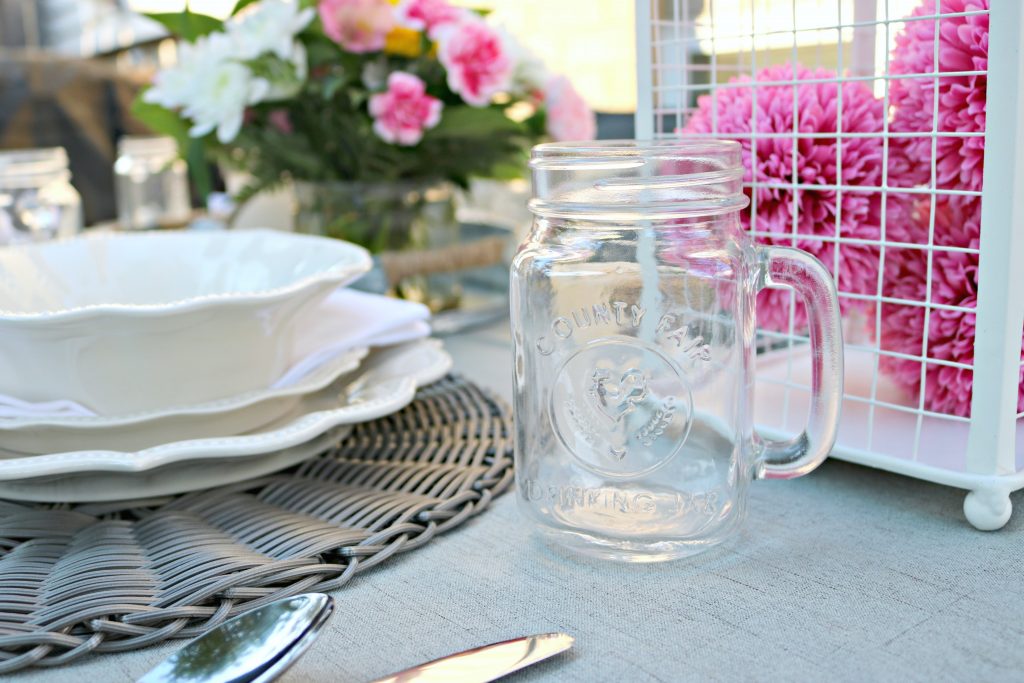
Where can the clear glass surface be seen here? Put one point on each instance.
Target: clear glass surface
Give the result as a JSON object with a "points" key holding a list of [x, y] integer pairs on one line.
{"points": [[37, 201], [632, 305], [411, 217], [151, 184]]}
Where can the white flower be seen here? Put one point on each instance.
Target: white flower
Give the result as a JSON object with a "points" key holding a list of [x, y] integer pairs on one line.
{"points": [[529, 74], [375, 74], [268, 26], [221, 90], [172, 86], [212, 85], [220, 98]]}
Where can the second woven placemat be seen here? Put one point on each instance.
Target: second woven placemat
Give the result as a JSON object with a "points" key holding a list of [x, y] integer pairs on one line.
{"points": [[109, 578]]}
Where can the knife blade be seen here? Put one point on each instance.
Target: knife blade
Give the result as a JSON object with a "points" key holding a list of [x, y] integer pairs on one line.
{"points": [[486, 663]]}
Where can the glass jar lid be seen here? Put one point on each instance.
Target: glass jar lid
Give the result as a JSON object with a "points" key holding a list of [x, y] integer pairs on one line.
{"points": [[33, 167], [625, 180], [161, 147]]}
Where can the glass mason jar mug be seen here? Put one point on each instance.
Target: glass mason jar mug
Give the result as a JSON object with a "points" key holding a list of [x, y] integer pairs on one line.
{"points": [[633, 321]]}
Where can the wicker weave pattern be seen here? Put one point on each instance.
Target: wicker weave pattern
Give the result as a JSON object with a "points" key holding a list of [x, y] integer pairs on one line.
{"points": [[107, 577]]}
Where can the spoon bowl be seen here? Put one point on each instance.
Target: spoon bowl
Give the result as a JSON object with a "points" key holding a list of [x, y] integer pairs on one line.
{"points": [[256, 646]]}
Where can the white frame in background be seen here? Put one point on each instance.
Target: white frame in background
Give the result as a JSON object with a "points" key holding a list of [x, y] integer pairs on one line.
{"points": [[990, 471]]}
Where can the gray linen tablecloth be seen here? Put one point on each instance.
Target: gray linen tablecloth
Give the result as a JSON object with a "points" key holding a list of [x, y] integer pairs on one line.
{"points": [[849, 574]]}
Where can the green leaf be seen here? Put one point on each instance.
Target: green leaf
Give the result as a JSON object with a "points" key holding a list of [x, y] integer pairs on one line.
{"points": [[357, 96], [511, 169], [240, 5], [198, 168], [321, 51], [160, 120], [536, 125], [473, 122], [187, 25], [332, 84]]}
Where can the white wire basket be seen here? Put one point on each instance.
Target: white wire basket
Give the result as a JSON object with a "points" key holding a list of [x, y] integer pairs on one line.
{"points": [[879, 174]]}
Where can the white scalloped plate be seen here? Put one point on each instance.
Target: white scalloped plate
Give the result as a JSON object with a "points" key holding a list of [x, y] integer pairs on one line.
{"points": [[385, 383], [138, 431], [191, 475]]}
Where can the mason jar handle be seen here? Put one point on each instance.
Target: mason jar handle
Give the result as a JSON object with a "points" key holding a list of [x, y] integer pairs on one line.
{"points": [[783, 267]]}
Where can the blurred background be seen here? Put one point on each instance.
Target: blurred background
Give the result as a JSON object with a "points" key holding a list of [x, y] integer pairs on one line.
{"points": [[70, 68]]}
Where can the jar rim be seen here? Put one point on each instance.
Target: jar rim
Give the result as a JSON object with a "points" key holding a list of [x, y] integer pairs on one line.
{"points": [[147, 145], [30, 160], [32, 167], [637, 179], [645, 148]]}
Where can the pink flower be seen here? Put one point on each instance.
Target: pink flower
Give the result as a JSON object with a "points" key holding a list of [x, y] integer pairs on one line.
{"points": [[357, 25], [280, 120], [428, 15], [950, 334], [813, 160], [962, 46], [476, 60], [568, 116], [405, 110]]}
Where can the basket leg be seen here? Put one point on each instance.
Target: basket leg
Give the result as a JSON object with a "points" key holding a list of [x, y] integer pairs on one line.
{"points": [[988, 509]]}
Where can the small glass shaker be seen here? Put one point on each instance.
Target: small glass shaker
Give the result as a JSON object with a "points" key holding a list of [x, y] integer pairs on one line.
{"points": [[151, 183], [37, 200]]}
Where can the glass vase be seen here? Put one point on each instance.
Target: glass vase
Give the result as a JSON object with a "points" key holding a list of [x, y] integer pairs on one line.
{"points": [[388, 218]]}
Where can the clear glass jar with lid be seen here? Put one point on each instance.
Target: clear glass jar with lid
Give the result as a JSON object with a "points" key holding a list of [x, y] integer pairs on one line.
{"points": [[37, 200], [151, 183]]}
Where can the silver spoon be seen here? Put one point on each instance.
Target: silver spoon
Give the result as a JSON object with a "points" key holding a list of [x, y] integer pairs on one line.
{"points": [[254, 647]]}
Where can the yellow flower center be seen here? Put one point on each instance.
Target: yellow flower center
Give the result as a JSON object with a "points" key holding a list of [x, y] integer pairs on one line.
{"points": [[405, 42]]}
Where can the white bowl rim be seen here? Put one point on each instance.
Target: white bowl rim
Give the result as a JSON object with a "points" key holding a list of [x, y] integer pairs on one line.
{"points": [[357, 262], [317, 379]]}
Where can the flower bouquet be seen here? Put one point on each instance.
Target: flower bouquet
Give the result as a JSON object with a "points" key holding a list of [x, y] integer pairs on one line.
{"points": [[372, 109]]}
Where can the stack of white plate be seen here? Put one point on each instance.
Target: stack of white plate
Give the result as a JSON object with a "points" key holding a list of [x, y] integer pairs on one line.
{"points": [[140, 365]]}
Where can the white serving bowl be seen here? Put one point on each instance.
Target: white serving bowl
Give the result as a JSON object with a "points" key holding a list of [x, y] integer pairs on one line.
{"points": [[132, 322]]}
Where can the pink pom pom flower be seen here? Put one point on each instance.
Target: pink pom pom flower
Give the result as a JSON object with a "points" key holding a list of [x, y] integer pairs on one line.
{"points": [[813, 160], [950, 333], [476, 60], [962, 46], [357, 25], [404, 110], [568, 116]]}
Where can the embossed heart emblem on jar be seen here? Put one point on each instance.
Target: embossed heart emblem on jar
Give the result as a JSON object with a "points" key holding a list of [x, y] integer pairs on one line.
{"points": [[621, 407], [615, 398]]}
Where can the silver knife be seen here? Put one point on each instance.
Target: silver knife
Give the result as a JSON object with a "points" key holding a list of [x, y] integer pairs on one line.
{"points": [[486, 663]]}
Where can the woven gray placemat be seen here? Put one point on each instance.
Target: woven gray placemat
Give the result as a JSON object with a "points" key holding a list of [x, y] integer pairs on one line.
{"points": [[112, 577]]}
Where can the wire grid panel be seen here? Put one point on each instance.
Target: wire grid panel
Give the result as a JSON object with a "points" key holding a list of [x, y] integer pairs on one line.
{"points": [[864, 130], [110, 577]]}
